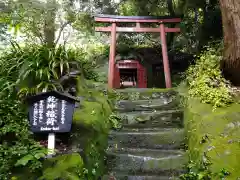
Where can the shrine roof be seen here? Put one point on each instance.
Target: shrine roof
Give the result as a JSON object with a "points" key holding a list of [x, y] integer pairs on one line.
{"points": [[107, 18], [56, 94]]}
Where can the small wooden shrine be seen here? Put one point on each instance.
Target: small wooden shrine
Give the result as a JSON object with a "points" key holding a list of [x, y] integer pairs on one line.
{"points": [[130, 73]]}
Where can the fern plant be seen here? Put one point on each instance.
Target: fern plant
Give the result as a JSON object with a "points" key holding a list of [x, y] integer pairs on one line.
{"points": [[69, 167], [38, 67], [42, 68]]}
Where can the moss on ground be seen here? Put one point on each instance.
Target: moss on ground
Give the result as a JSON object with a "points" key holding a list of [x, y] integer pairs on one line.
{"points": [[90, 127], [214, 135]]}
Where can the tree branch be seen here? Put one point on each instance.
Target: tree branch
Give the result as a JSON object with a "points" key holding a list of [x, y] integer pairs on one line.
{"points": [[66, 38], [170, 7], [60, 32]]}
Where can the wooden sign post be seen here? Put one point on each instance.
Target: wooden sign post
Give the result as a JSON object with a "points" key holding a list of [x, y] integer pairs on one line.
{"points": [[51, 112]]}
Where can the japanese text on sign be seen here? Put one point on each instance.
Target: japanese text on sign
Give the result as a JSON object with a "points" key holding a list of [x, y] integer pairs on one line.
{"points": [[48, 114]]}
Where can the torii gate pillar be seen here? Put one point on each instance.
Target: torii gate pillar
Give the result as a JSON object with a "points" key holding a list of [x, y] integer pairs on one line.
{"points": [[166, 67], [112, 54]]}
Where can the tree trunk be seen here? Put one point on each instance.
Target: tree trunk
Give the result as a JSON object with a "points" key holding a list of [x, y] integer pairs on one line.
{"points": [[230, 10], [170, 36], [49, 24]]}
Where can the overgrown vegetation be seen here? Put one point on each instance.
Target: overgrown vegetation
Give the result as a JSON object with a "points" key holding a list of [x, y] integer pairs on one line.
{"points": [[69, 166], [211, 121], [17, 146], [30, 69], [39, 67], [205, 79], [91, 126], [213, 141]]}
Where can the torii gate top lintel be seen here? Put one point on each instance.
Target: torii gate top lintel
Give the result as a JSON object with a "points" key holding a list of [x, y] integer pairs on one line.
{"points": [[110, 18], [113, 29]]}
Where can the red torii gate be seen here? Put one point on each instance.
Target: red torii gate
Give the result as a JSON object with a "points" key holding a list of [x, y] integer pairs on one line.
{"points": [[138, 20]]}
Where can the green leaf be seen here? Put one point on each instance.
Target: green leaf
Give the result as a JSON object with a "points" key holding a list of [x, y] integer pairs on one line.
{"points": [[40, 85], [23, 161], [40, 73], [39, 155]]}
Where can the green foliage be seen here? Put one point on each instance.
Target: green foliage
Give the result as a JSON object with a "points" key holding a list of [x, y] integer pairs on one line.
{"points": [[143, 8], [68, 167], [129, 9], [116, 121], [197, 173], [84, 22], [35, 155], [38, 67], [213, 141], [33, 68], [206, 82], [203, 173], [17, 147], [95, 156]]}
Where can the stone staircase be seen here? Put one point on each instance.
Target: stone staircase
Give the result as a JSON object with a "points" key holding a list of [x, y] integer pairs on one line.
{"points": [[148, 147]]}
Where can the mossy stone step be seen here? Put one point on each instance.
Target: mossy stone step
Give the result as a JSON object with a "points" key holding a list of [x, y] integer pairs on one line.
{"points": [[146, 105], [147, 147], [136, 177], [151, 138], [142, 119], [144, 161], [153, 153], [145, 93]]}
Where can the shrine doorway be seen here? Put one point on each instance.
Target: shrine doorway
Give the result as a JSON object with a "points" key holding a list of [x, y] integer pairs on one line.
{"points": [[130, 73], [128, 78]]}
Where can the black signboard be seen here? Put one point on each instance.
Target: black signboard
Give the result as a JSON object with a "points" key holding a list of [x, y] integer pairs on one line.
{"points": [[51, 112]]}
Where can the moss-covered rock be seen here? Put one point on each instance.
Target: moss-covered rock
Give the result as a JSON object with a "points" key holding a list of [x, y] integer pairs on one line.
{"points": [[90, 127], [213, 138]]}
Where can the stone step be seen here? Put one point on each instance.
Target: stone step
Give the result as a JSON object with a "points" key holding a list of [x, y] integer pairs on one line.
{"points": [[146, 105], [145, 93], [137, 177], [146, 161], [151, 138], [142, 119], [153, 153]]}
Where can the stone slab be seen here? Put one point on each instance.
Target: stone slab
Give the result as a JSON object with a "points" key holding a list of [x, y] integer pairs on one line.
{"points": [[151, 138], [142, 119]]}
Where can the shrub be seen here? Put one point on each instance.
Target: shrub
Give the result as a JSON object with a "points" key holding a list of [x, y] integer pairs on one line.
{"points": [[205, 79], [17, 146], [28, 70], [37, 67], [212, 135]]}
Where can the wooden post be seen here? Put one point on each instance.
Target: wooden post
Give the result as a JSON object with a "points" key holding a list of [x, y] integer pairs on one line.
{"points": [[51, 140], [167, 73], [111, 68], [51, 144]]}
